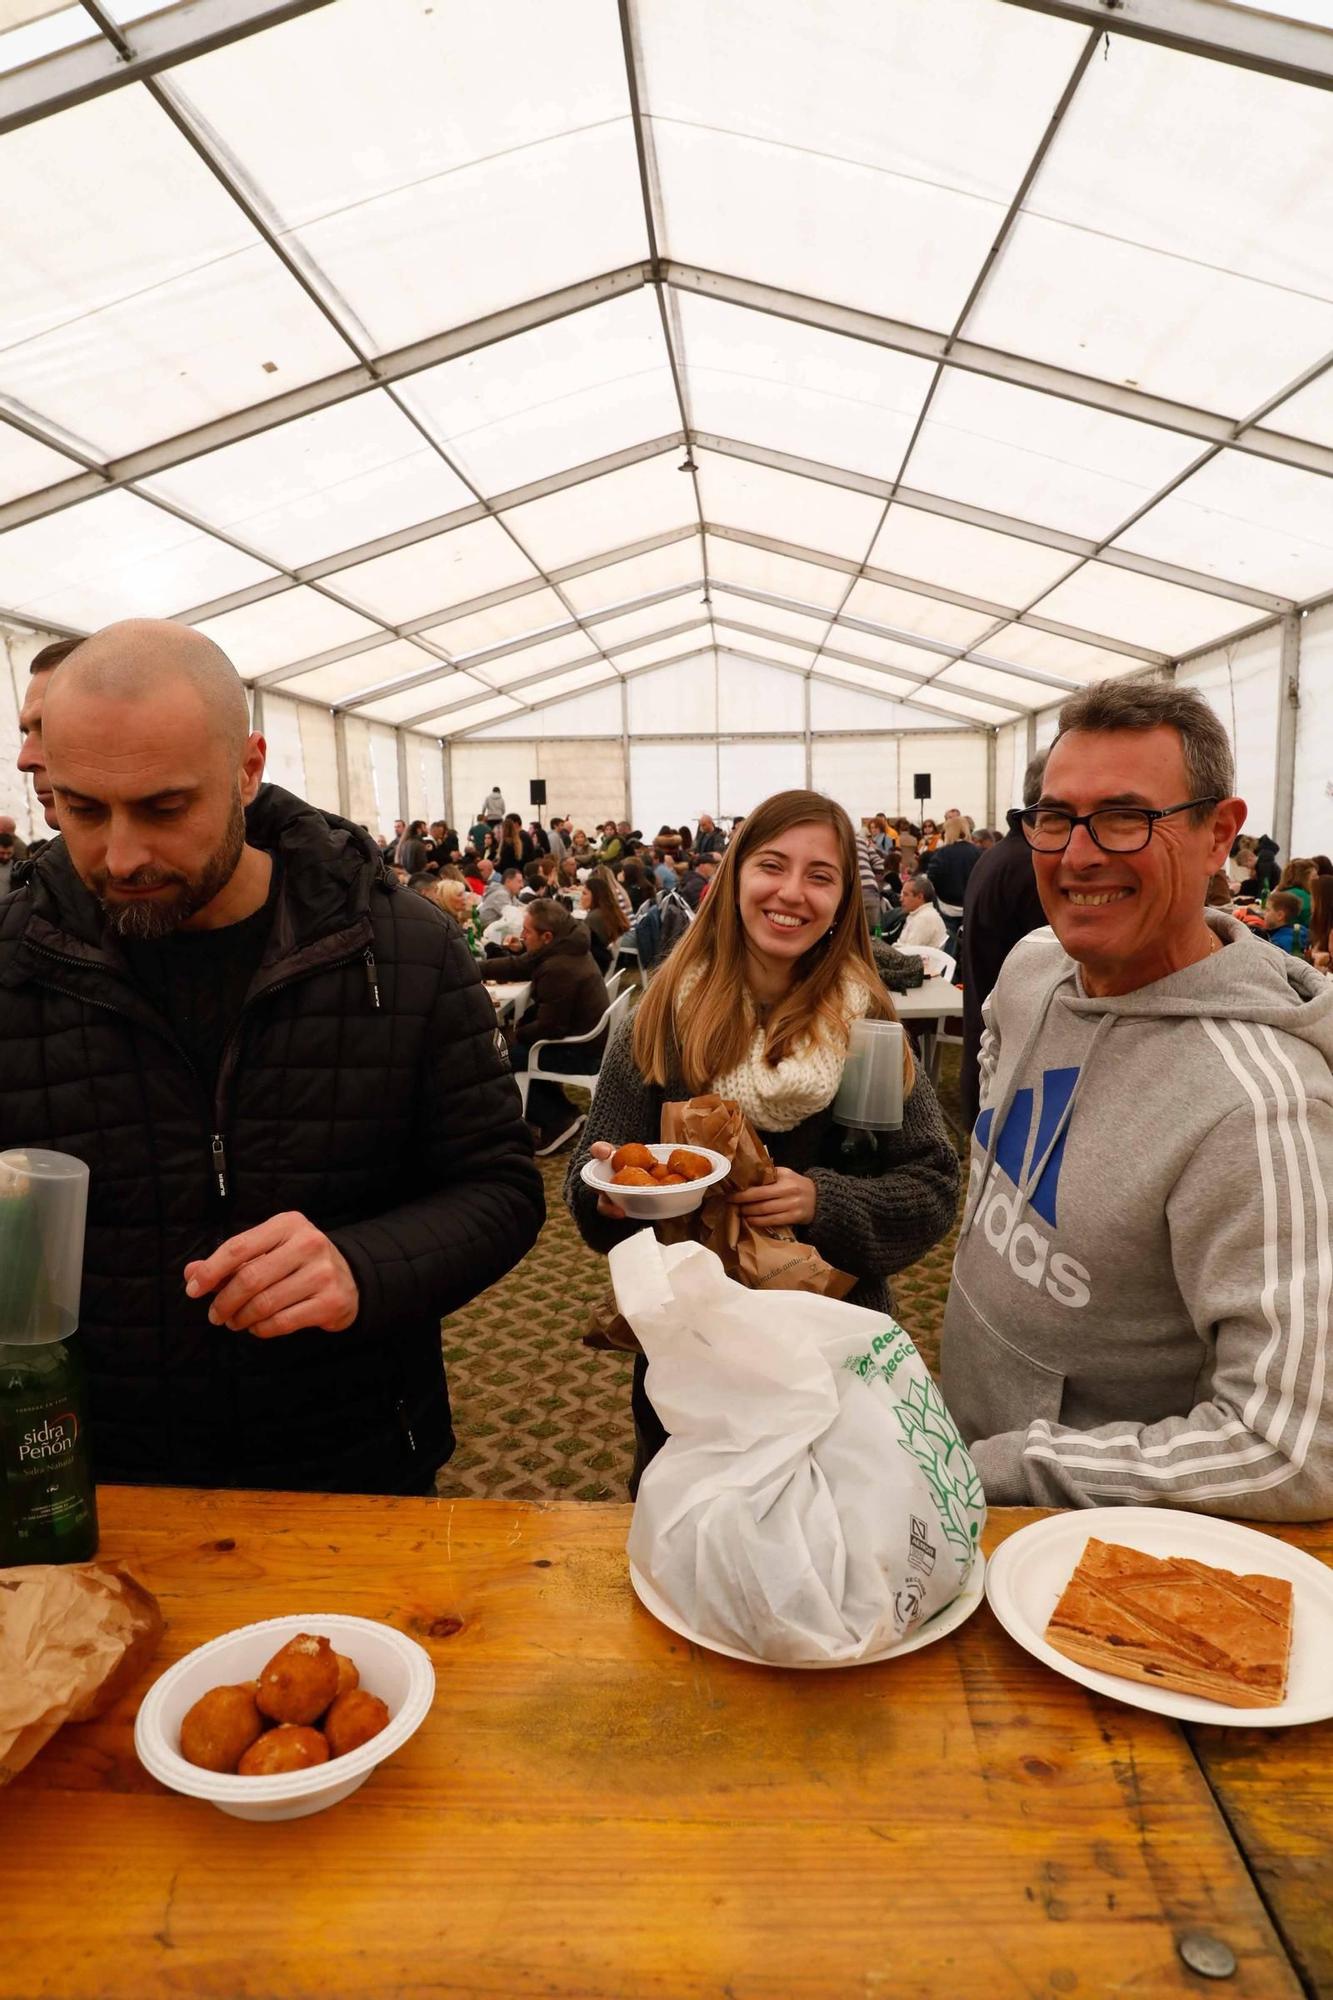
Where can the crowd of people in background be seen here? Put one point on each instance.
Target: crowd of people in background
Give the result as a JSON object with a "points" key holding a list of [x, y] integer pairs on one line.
{"points": [[196, 945], [923, 887], [617, 897]]}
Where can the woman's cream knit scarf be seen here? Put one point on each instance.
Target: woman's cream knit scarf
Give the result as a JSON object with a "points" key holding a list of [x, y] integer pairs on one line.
{"points": [[777, 1097]]}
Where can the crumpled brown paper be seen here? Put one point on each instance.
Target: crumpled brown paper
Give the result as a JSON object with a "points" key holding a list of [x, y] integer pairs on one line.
{"points": [[763, 1260], [73, 1638]]}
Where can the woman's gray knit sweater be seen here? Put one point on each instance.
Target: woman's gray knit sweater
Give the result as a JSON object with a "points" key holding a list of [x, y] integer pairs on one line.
{"points": [[868, 1224]]}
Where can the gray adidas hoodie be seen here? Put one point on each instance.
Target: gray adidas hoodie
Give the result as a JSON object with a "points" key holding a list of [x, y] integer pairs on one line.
{"points": [[1140, 1300]]}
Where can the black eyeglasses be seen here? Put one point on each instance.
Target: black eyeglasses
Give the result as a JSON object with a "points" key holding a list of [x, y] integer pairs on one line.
{"points": [[1115, 829]]}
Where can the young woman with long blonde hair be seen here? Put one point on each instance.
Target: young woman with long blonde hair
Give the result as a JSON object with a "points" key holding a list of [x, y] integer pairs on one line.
{"points": [[755, 1003]]}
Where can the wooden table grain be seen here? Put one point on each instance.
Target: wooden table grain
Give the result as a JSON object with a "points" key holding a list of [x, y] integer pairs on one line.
{"points": [[1275, 1788], [597, 1808]]}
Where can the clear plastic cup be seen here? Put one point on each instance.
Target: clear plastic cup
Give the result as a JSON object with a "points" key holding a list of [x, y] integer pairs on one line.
{"points": [[43, 1207], [870, 1096]]}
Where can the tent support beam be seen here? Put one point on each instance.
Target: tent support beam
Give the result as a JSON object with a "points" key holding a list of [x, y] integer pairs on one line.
{"points": [[701, 652], [647, 180], [26, 622], [988, 263], [901, 336], [820, 650], [1078, 546], [870, 574], [475, 663], [379, 691], [1288, 714], [400, 743], [344, 778], [514, 688], [624, 740], [1022, 371], [1295, 50], [322, 296], [312, 396], [487, 601], [178, 35]]}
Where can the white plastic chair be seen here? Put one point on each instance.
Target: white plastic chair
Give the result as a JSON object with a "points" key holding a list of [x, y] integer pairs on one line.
{"points": [[615, 980], [624, 954], [583, 1079]]}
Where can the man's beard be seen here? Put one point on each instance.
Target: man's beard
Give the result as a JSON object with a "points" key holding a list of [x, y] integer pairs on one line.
{"points": [[143, 921]]}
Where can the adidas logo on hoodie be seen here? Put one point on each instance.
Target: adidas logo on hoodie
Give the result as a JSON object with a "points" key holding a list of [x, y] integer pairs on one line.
{"points": [[1029, 1249]]}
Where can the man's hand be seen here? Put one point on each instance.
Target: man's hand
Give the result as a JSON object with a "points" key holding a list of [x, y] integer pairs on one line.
{"points": [[605, 1206], [788, 1199], [276, 1279]]}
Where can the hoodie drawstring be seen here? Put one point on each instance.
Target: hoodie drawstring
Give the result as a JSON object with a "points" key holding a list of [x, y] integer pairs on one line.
{"points": [[1032, 1179], [1003, 1107], [1033, 1176]]}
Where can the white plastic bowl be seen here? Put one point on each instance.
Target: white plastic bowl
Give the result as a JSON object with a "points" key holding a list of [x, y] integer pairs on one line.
{"points": [[390, 1665], [655, 1204]]}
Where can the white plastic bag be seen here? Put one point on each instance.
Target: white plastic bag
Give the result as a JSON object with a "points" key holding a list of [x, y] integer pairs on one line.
{"points": [[814, 1501]]}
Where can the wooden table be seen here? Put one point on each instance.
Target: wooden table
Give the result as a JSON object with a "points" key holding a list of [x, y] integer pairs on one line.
{"points": [[597, 1808]]}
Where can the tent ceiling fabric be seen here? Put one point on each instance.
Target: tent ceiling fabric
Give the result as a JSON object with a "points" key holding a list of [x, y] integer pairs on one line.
{"points": [[443, 362]]}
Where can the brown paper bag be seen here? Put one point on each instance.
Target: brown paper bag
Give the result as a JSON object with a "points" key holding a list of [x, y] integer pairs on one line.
{"points": [[760, 1259], [73, 1638]]}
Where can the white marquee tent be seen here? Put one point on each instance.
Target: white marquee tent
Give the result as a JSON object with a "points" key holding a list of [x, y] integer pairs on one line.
{"points": [[679, 399]]}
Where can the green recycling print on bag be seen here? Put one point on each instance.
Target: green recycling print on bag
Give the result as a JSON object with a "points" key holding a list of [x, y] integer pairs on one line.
{"points": [[931, 1437]]}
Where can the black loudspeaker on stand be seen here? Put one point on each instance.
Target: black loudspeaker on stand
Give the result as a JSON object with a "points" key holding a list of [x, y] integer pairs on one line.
{"points": [[537, 791], [921, 787]]}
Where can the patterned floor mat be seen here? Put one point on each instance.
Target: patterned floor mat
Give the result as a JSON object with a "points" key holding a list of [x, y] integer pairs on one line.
{"points": [[541, 1417]]}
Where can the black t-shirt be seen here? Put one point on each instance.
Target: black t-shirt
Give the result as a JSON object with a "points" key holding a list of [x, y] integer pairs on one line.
{"points": [[198, 980]]}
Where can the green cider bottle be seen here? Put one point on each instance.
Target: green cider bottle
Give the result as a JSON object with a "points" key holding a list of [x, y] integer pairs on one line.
{"points": [[48, 1506]]}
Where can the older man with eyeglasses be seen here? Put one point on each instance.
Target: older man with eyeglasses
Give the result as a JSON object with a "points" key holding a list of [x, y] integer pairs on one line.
{"points": [[1140, 1303]]}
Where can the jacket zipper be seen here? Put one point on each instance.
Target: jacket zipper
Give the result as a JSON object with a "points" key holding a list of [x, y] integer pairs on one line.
{"points": [[216, 1142], [217, 1149], [217, 1152]]}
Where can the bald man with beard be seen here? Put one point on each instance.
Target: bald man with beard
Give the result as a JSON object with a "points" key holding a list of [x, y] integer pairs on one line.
{"points": [[304, 1144]]}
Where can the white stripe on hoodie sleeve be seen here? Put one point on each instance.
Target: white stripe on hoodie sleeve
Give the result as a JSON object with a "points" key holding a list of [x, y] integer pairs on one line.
{"points": [[1250, 1242]]}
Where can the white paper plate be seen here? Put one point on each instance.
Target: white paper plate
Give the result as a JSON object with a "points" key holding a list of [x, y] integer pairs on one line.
{"points": [[390, 1664], [1028, 1573], [659, 1204], [938, 1627]]}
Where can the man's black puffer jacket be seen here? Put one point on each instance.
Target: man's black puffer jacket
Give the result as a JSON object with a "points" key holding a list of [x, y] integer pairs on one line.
{"points": [[365, 1087]]}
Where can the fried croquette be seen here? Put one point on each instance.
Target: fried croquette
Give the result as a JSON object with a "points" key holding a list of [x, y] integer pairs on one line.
{"points": [[631, 1156], [632, 1177], [299, 1681], [348, 1677], [354, 1718], [690, 1166], [287, 1748], [219, 1729], [659, 1170], [672, 1180]]}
